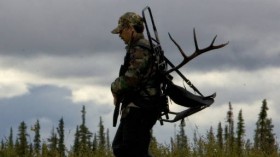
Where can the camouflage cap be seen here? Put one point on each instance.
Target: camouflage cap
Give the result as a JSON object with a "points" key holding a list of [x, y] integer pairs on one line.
{"points": [[126, 20]]}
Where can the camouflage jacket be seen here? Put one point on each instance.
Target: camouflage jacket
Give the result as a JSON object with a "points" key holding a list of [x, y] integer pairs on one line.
{"points": [[140, 72]]}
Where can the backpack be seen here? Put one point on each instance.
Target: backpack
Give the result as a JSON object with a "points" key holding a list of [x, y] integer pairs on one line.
{"points": [[179, 95]]}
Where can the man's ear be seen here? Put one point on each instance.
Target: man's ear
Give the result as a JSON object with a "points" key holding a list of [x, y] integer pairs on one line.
{"points": [[133, 30], [130, 28]]}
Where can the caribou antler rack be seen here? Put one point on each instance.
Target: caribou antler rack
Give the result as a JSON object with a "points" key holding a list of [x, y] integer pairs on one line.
{"points": [[196, 53]]}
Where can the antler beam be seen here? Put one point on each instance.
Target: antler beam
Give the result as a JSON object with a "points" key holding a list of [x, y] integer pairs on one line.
{"points": [[196, 53]]}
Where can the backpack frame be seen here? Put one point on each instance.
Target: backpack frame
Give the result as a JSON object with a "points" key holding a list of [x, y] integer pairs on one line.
{"points": [[177, 94]]}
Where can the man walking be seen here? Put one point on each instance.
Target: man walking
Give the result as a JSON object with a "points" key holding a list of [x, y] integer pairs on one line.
{"points": [[137, 88]]}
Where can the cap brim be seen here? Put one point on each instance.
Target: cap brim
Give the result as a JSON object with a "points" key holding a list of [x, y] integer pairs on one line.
{"points": [[116, 30]]}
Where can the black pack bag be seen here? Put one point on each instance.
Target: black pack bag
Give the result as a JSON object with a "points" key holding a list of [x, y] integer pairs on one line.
{"points": [[183, 97]]}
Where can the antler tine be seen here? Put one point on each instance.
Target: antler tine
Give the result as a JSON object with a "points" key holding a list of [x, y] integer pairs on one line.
{"points": [[183, 54], [178, 46], [214, 39], [195, 40], [211, 46], [195, 53]]}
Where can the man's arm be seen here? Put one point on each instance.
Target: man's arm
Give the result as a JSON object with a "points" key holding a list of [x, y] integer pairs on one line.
{"points": [[137, 68]]}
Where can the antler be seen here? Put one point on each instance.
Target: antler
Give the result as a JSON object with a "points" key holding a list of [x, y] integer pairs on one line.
{"points": [[195, 53]]}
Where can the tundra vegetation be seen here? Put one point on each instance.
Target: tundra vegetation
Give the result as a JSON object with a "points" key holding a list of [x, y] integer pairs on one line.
{"points": [[227, 139]]}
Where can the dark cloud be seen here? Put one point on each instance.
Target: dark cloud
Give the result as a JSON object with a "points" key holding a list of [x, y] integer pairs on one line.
{"points": [[50, 27], [44, 101], [73, 28], [48, 104]]}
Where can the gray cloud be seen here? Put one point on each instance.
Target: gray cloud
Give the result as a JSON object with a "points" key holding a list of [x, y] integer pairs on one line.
{"points": [[72, 28], [44, 101], [65, 27]]}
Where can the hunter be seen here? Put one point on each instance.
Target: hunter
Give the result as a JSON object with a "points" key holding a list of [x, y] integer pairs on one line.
{"points": [[137, 88]]}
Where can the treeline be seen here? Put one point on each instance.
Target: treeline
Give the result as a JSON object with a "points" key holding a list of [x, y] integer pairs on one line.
{"points": [[85, 144], [226, 141]]}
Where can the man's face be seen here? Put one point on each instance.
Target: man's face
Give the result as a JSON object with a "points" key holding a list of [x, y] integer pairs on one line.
{"points": [[126, 34]]}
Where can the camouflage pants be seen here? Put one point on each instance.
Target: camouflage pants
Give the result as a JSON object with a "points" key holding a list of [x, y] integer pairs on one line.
{"points": [[133, 136]]}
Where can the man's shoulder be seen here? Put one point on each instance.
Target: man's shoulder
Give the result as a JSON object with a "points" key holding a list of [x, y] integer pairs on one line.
{"points": [[143, 43]]}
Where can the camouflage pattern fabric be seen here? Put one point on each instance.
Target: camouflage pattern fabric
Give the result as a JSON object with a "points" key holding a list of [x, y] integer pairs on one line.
{"points": [[126, 20], [140, 75]]}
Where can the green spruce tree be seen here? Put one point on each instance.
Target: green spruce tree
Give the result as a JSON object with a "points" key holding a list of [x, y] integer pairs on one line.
{"points": [[219, 136], [101, 136], [264, 140], [22, 147], [182, 140], [108, 144], [2, 148], [37, 139], [52, 143], [94, 143], [85, 135], [220, 140], [60, 131], [211, 147], [76, 146], [240, 132], [44, 150], [230, 132], [11, 139]]}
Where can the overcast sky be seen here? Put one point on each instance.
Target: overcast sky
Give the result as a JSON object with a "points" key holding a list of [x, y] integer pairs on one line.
{"points": [[56, 56]]}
